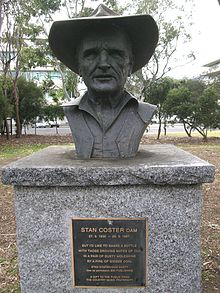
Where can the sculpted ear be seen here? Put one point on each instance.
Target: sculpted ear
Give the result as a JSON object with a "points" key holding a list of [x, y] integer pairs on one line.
{"points": [[77, 53], [80, 74], [79, 68], [131, 63]]}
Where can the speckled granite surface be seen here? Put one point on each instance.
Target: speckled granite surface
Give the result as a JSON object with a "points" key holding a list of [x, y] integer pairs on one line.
{"points": [[157, 164], [163, 184]]}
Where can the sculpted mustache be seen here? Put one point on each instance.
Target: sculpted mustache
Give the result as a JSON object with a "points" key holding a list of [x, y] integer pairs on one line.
{"points": [[104, 74], [110, 73]]}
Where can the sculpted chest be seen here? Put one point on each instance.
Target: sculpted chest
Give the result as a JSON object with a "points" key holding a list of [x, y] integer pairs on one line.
{"points": [[120, 140]]}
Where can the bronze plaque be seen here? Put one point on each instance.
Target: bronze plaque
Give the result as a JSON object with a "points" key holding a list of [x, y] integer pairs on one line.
{"points": [[109, 252]]}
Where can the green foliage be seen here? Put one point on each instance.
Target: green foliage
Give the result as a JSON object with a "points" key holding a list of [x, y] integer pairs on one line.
{"points": [[5, 109], [20, 31], [196, 86], [157, 94], [114, 5], [190, 102], [53, 112], [207, 113], [32, 100], [34, 56], [179, 103], [72, 80], [158, 91], [6, 85], [197, 108], [87, 11]]}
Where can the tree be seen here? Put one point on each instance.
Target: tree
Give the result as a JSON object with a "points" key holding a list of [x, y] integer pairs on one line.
{"points": [[53, 113], [32, 101], [171, 20], [19, 32], [5, 111], [23, 44], [195, 85], [157, 94], [207, 115], [200, 113], [179, 104], [6, 91]]}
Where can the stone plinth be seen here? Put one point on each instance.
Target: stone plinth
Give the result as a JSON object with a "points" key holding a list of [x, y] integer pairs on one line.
{"points": [[162, 184]]}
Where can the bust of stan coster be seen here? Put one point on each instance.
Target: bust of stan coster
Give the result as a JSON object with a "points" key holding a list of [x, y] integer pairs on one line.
{"points": [[107, 121]]}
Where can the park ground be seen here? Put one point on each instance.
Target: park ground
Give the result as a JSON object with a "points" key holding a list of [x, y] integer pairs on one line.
{"points": [[210, 225]]}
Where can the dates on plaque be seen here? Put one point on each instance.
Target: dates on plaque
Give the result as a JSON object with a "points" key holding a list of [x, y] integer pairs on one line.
{"points": [[109, 252]]}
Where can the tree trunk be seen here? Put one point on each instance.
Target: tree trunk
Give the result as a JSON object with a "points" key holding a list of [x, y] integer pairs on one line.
{"points": [[165, 128], [6, 128], [56, 126], [159, 129], [202, 132], [17, 112], [186, 130], [1, 15]]}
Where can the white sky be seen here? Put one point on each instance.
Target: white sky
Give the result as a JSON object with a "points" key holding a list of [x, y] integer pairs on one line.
{"points": [[205, 38]]}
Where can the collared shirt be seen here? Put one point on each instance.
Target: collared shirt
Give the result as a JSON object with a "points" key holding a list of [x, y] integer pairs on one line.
{"points": [[104, 114], [106, 124], [117, 135]]}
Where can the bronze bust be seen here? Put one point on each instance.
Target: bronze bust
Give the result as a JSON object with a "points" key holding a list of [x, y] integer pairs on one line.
{"points": [[107, 121]]}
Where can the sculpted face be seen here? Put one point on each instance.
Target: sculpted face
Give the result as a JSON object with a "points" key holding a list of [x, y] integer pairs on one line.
{"points": [[105, 61]]}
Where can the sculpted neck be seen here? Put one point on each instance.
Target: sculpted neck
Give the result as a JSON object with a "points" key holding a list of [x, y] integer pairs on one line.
{"points": [[106, 99]]}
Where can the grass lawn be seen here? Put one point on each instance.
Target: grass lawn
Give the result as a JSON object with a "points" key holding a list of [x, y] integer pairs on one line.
{"points": [[210, 226], [211, 133], [18, 151]]}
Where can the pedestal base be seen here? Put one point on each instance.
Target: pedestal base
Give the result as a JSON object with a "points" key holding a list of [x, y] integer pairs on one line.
{"points": [[163, 184]]}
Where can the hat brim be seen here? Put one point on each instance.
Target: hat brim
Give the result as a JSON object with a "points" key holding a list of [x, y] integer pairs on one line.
{"points": [[142, 30]]}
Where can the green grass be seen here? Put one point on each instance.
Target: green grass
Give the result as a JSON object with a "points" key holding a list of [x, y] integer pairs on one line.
{"points": [[9, 152], [211, 133], [214, 147]]}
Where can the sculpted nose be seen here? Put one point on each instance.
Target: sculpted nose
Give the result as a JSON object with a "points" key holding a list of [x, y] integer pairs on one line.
{"points": [[104, 61]]}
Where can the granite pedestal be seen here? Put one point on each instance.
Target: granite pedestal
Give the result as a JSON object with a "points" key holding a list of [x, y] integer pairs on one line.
{"points": [[163, 184]]}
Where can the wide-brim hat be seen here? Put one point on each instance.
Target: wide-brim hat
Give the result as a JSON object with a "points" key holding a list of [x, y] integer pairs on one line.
{"points": [[142, 31]]}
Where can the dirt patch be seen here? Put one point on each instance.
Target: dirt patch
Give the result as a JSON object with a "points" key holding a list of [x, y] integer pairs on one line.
{"points": [[64, 139], [36, 139], [210, 230]]}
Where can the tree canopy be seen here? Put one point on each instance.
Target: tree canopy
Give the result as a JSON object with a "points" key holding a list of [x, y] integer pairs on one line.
{"points": [[191, 102]]}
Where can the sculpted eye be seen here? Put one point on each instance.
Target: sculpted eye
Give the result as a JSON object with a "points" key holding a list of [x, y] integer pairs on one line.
{"points": [[116, 53], [90, 54]]}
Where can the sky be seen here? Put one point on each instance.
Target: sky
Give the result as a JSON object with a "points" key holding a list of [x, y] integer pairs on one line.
{"points": [[205, 34]]}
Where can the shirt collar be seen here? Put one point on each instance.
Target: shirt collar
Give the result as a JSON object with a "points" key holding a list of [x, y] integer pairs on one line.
{"points": [[90, 106]]}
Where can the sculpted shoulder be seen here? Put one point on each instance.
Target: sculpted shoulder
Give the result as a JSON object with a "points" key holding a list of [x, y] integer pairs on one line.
{"points": [[74, 102], [146, 111]]}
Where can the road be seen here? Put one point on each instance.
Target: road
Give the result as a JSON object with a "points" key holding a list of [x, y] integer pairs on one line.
{"points": [[66, 130]]}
